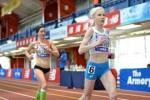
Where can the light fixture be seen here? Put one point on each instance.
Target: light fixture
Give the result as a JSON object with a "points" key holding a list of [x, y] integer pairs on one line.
{"points": [[16, 51], [6, 53], [22, 48], [121, 36], [1, 54], [81, 18], [9, 12], [130, 26], [140, 32], [61, 45], [71, 38], [77, 42], [55, 41]]}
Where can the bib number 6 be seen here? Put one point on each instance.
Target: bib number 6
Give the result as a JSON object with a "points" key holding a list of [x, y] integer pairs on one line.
{"points": [[91, 70]]}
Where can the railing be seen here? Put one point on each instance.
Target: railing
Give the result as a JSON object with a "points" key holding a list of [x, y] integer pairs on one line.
{"points": [[59, 22]]}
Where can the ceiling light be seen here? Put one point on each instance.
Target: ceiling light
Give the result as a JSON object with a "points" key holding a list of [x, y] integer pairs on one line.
{"points": [[82, 18], [14, 51], [122, 36], [61, 45], [6, 53], [140, 32], [71, 38], [128, 26], [77, 42], [55, 41], [22, 48]]}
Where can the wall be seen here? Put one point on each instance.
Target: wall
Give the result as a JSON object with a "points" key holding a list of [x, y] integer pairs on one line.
{"points": [[50, 12], [77, 59], [17, 62], [67, 7], [81, 5], [9, 25]]}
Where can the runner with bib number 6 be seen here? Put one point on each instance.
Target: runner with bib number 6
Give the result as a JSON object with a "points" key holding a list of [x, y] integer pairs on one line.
{"points": [[96, 41]]}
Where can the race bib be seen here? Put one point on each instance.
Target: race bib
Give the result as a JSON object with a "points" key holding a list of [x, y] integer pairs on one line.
{"points": [[91, 69]]}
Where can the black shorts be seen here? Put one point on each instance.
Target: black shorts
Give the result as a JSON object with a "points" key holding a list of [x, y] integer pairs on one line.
{"points": [[44, 70]]}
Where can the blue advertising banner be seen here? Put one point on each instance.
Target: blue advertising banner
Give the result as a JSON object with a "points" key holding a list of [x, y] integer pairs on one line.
{"points": [[2, 73], [17, 73], [135, 13], [8, 47], [33, 76], [58, 33], [135, 79]]}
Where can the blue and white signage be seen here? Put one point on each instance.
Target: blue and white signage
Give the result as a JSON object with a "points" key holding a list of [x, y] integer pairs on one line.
{"points": [[2, 73], [135, 13], [58, 33], [17, 73], [135, 79], [8, 46]]}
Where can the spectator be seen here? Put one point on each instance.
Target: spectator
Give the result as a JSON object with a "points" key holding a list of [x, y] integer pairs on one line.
{"points": [[63, 59]]}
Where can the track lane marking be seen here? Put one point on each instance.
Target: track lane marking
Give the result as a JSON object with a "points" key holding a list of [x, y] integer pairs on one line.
{"points": [[62, 91], [35, 91], [32, 82], [17, 93], [3, 98], [81, 93]]}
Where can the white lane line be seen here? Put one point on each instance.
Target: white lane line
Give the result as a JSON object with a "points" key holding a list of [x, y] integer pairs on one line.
{"points": [[31, 82], [81, 93], [17, 93], [129, 94], [107, 97], [68, 91], [92, 95], [133, 91], [3, 98]]}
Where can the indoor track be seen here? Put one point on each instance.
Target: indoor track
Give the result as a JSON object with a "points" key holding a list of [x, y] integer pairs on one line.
{"points": [[11, 89]]}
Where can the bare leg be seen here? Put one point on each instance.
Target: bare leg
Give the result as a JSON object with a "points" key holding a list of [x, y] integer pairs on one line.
{"points": [[41, 78], [109, 83], [42, 83], [88, 89]]}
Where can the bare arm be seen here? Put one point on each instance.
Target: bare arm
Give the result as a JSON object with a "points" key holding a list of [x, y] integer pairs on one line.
{"points": [[84, 47], [54, 50], [27, 51]]}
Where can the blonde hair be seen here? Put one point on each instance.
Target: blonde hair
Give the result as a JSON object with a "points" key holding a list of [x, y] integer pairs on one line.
{"points": [[92, 13]]}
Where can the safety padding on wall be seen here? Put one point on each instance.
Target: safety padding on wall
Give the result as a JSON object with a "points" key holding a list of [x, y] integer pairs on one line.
{"points": [[17, 73], [54, 75], [2, 73], [137, 79], [9, 73], [26, 73]]}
